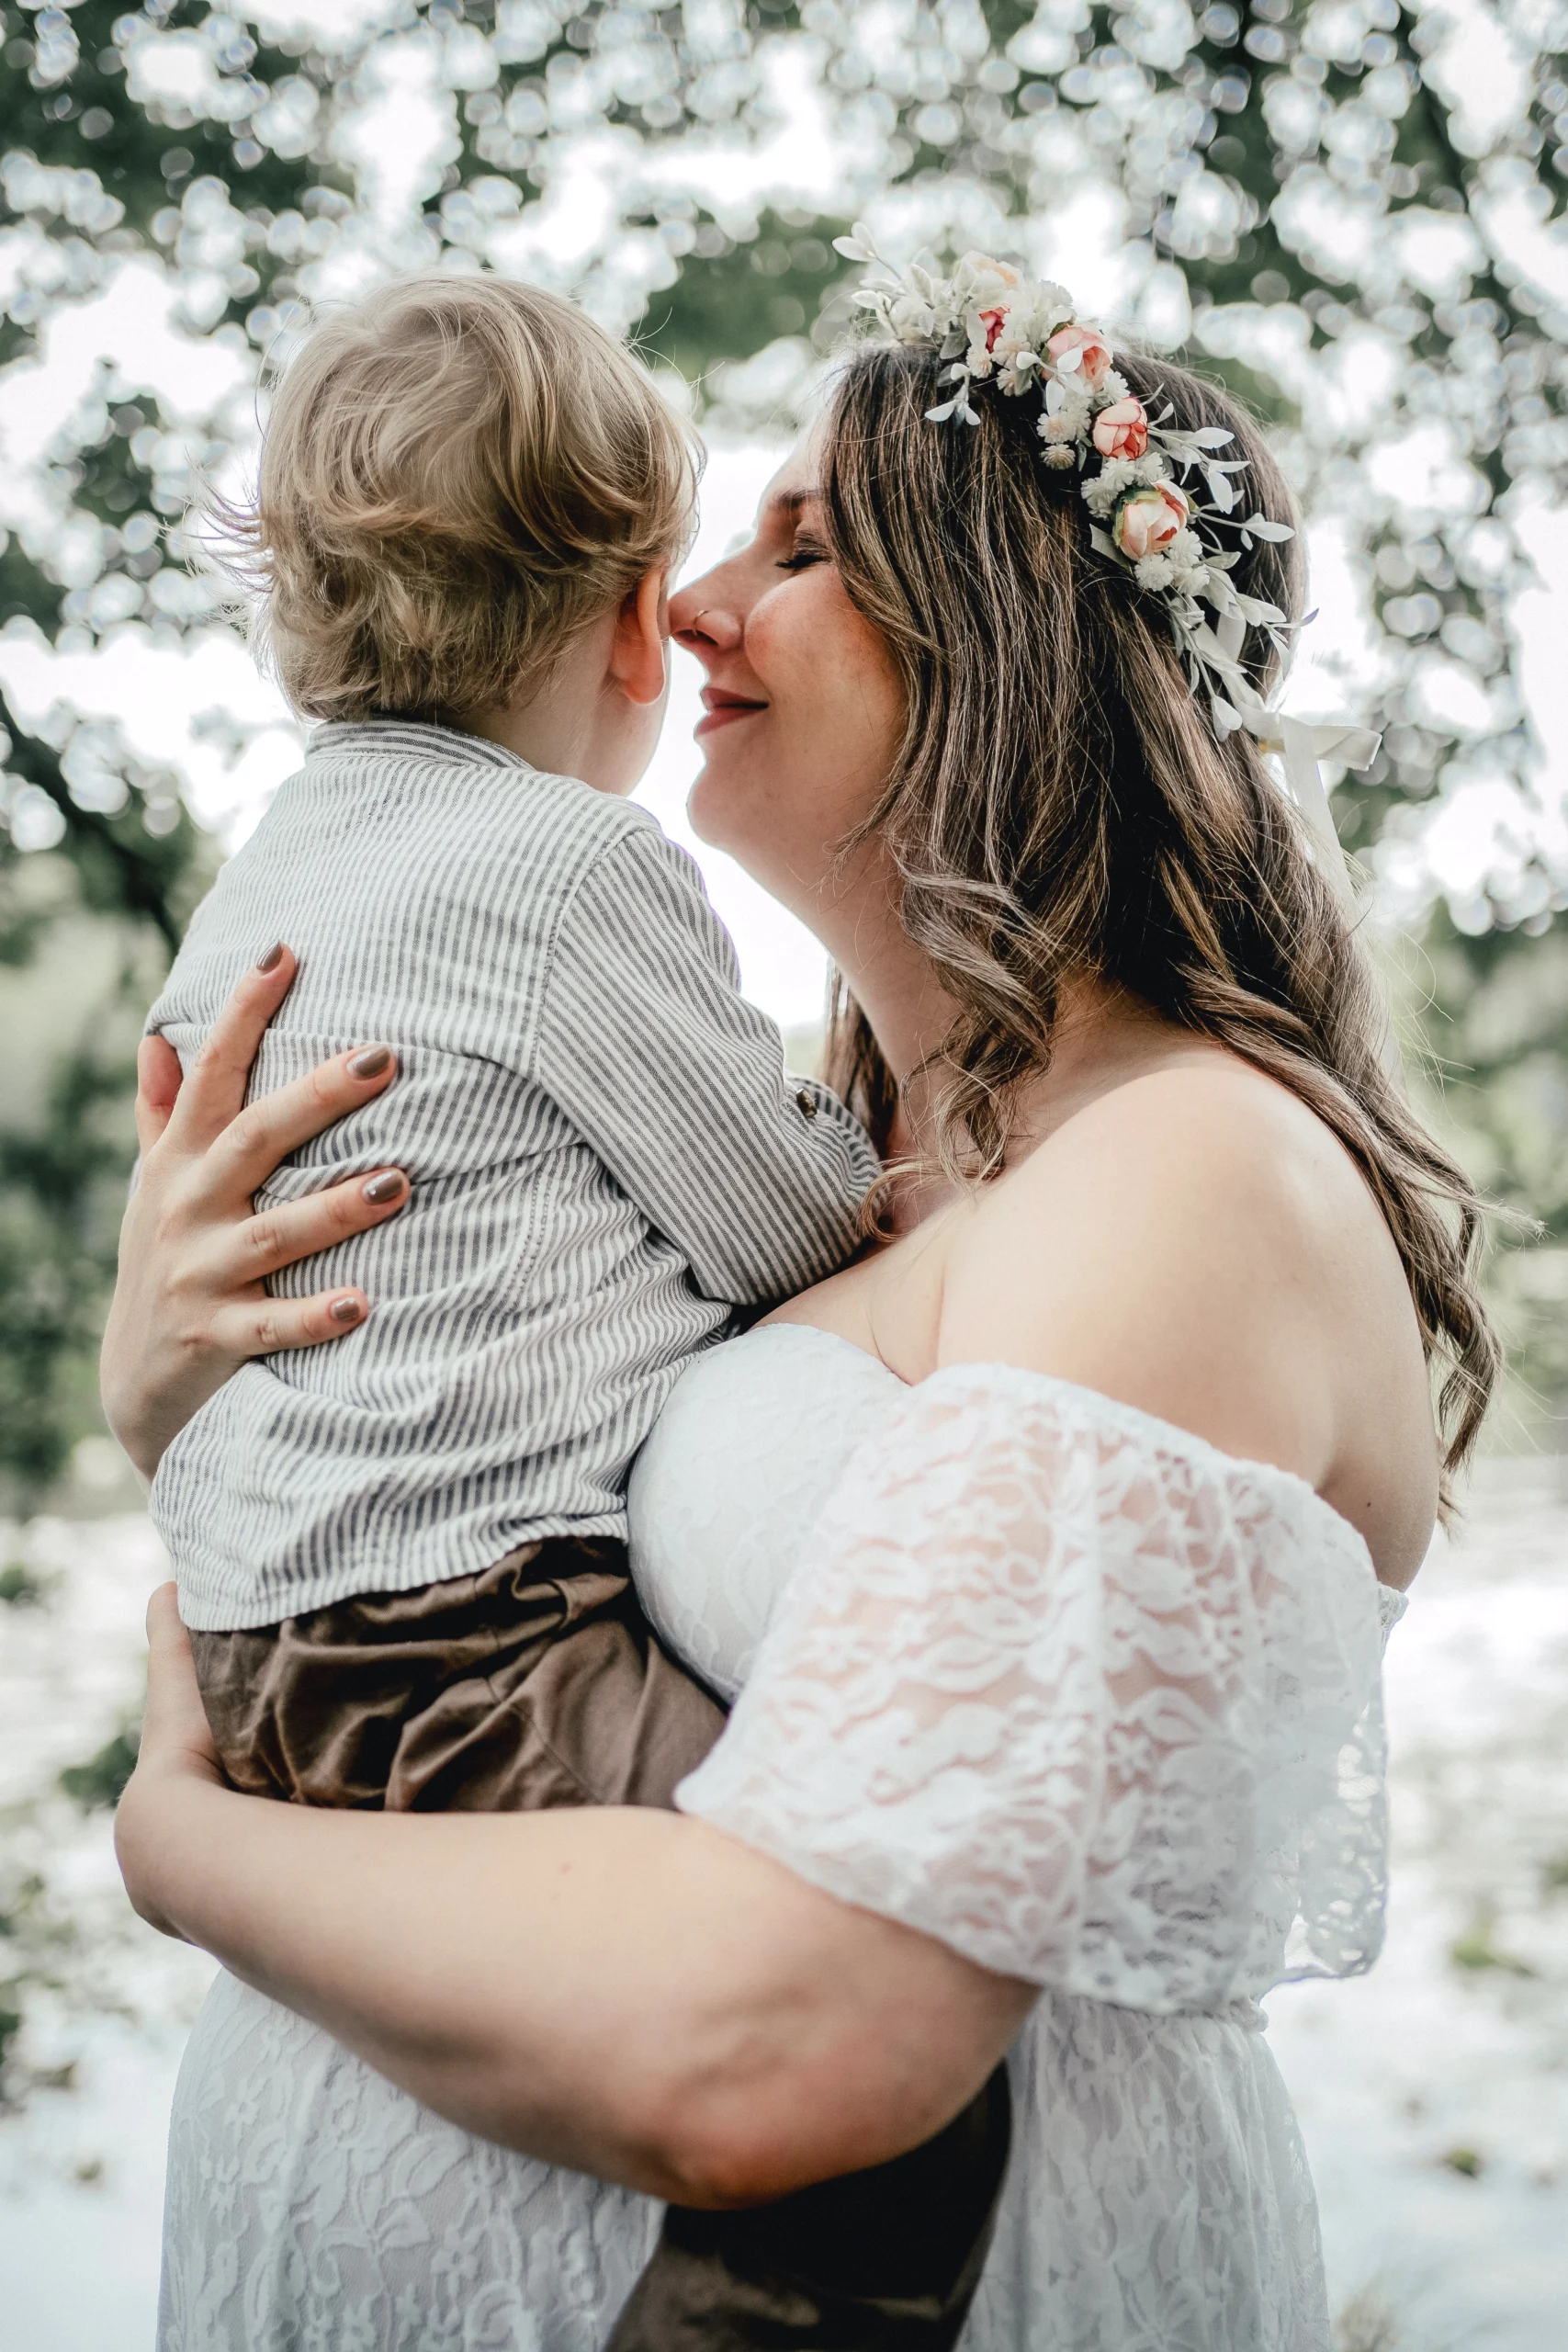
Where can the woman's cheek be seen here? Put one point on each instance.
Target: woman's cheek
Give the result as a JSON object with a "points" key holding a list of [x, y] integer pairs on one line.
{"points": [[832, 686]]}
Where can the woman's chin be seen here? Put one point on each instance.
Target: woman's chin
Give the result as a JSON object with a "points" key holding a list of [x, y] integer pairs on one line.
{"points": [[711, 807]]}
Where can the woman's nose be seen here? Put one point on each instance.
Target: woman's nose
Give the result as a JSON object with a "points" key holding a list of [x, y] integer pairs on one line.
{"points": [[704, 626]]}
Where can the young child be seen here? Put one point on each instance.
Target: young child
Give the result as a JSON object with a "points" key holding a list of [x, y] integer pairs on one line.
{"points": [[402, 1558]]}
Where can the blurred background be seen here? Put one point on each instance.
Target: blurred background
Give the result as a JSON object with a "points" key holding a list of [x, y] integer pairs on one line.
{"points": [[1351, 211]]}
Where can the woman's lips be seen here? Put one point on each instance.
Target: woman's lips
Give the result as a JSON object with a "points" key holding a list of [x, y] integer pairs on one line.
{"points": [[721, 709]]}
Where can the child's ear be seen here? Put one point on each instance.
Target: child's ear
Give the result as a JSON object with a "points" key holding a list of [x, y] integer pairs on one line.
{"points": [[642, 634]]}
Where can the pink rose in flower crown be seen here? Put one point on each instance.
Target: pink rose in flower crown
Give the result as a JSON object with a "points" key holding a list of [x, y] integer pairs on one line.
{"points": [[1093, 352], [1122, 430], [1150, 519], [993, 322]]}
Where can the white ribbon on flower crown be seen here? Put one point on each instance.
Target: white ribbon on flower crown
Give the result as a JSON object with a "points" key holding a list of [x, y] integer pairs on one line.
{"points": [[1298, 743]]}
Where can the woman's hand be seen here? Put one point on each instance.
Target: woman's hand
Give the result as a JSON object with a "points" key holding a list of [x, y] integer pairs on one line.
{"points": [[191, 1303], [176, 1746]]}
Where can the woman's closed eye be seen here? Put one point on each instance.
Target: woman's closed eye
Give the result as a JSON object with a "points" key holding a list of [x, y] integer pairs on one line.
{"points": [[804, 554]]}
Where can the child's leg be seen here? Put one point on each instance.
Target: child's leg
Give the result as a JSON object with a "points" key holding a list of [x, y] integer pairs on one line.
{"points": [[881, 2261], [576, 1704], [536, 1684]]}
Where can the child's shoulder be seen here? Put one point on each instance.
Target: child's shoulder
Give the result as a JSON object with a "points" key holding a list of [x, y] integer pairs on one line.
{"points": [[431, 795]]}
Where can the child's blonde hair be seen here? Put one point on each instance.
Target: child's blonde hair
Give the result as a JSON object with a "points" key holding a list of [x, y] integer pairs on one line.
{"points": [[458, 474]]}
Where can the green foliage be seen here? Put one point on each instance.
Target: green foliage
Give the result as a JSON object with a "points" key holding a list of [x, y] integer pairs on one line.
{"points": [[61, 1186], [1476, 1951], [1495, 1020], [98, 1785], [733, 295], [20, 1588]]}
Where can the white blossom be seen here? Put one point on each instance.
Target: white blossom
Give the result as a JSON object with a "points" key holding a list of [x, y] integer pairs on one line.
{"points": [[912, 320]]}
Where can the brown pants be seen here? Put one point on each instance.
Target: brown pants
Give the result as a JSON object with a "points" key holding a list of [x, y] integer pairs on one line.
{"points": [[536, 1684], [540, 1683]]}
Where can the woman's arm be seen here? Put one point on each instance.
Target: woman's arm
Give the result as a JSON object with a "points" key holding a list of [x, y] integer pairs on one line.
{"points": [[629, 1992], [191, 1303]]}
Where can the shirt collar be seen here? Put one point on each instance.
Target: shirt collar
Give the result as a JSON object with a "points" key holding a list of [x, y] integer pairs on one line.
{"points": [[419, 738]]}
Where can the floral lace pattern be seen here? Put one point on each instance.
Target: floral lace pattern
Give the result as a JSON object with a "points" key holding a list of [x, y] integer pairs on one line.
{"points": [[1159, 2198], [311, 2207], [1083, 1698]]}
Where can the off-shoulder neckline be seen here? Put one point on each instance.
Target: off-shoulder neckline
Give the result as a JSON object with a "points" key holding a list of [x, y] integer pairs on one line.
{"points": [[1168, 1435]]}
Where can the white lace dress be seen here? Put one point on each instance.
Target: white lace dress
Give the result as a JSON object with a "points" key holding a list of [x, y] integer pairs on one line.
{"points": [[1058, 1684]]}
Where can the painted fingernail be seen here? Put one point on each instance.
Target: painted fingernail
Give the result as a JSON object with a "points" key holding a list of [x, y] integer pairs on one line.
{"points": [[369, 1062], [345, 1311], [381, 1189], [272, 959]]}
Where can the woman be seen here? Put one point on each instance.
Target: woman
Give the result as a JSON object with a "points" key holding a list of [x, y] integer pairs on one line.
{"points": [[1065, 1735]]}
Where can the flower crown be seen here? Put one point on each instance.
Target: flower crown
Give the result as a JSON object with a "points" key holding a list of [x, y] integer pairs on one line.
{"points": [[1024, 335]]}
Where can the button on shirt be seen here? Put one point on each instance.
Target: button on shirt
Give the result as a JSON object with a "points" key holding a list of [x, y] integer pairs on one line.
{"points": [[606, 1155]]}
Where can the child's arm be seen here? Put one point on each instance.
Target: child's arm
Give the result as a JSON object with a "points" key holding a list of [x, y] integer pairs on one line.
{"points": [[680, 1086]]}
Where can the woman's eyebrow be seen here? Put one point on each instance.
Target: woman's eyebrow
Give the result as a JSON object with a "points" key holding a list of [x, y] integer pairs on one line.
{"points": [[786, 504]]}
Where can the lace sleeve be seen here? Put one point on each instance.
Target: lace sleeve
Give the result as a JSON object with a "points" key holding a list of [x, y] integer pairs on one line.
{"points": [[1085, 1699]]}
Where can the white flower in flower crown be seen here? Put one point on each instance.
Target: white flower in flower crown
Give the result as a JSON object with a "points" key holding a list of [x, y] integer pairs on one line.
{"points": [[979, 283], [1034, 311], [978, 358], [912, 319], [1017, 372], [1068, 403], [1116, 476], [1062, 427], [1154, 572], [1014, 346], [1184, 555]]}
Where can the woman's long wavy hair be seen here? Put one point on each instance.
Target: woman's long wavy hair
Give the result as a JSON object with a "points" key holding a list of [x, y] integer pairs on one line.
{"points": [[1059, 809]]}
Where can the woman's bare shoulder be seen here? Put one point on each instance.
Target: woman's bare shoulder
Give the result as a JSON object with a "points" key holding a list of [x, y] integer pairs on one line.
{"points": [[1198, 1243]]}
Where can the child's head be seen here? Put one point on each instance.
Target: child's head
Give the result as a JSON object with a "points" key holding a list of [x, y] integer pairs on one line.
{"points": [[458, 475]]}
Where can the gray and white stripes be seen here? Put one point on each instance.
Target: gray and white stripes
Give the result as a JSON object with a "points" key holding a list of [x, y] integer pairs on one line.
{"points": [[606, 1155]]}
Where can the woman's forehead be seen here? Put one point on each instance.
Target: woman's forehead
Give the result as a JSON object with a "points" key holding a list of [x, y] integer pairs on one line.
{"points": [[797, 482]]}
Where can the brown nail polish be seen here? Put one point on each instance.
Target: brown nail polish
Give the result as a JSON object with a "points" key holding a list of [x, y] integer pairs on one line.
{"points": [[369, 1062], [381, 1189], [345, 1311], [272, 959]]}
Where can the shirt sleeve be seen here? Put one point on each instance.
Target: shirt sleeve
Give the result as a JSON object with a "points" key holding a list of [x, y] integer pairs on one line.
{"points": [[1079, 1697], [680, 1085]]}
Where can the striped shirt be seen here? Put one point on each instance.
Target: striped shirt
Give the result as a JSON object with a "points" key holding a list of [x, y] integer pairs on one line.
{"points": [[605, 1151]]}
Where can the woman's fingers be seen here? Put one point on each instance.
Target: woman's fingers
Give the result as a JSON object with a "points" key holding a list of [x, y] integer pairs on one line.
{"points": [[158, 1083], [264, 1326], [215, 1090], [294, 1229], [251, 1145], [175, 1730], [176, 1747]]}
